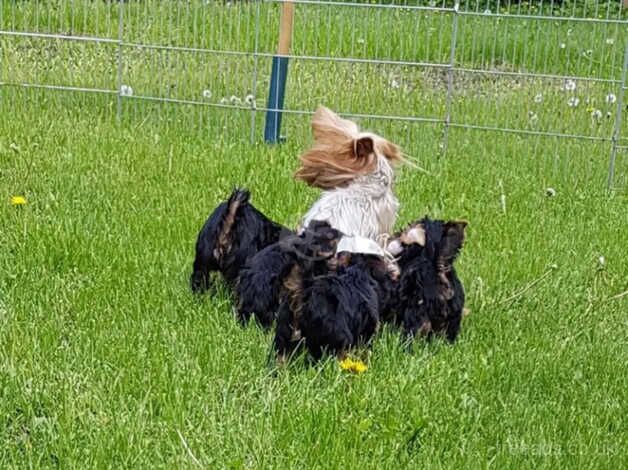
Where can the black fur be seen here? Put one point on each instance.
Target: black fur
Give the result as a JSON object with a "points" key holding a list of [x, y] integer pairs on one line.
{"points": [[337, 311], [430, 296], [234, 232], [260, 285]]}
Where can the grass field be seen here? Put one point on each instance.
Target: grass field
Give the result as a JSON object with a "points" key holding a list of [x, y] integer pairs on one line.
{"points": [[107, 360]]}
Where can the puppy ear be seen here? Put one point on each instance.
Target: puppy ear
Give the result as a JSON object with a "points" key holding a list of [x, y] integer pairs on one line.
{"points": [[450, 245], [452, 241], [363, 147], [328, 127], [414, 236]]}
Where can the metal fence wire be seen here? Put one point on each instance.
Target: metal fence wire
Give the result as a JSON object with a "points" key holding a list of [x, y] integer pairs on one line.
{"points": [[441, 64]]}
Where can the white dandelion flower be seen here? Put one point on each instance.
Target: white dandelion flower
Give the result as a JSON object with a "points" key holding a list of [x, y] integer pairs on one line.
{"points": [[207, 94], [610, 41], [550, 192], [538, 98], [570, 85], [610, 98], [126, 90], [562, 45], [573, 102]]}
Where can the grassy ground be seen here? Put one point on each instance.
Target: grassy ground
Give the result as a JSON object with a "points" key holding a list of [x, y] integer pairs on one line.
{"points": [[107, 360]]}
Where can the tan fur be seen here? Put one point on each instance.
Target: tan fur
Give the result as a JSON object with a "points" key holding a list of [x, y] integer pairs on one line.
{"points": [[224, 237], [293, 286], [335, 159]]}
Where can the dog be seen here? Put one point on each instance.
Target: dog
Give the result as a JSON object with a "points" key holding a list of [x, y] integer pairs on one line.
{"points": [[334, 312], [234, 232], [260, 283], [355, 170], [429, 297]]}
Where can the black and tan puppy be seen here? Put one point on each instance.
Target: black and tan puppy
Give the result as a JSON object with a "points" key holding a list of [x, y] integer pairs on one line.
{"points": [[260, 285], [429, 296], [234, 232], [334, 312]]}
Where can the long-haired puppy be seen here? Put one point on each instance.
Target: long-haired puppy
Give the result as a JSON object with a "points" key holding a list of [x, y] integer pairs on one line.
{"points": [[334, 312], [233, 233], [430, 297], [355, 171], [260, 284]]}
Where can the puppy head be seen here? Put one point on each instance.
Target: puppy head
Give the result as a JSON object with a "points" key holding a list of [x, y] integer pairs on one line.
{"points": [[314, 248], [341, 152], [448, 248], [435, 240]]}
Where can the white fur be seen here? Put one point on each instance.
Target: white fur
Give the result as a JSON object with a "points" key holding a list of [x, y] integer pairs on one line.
{"points": [[359, 245], [367, 207]]}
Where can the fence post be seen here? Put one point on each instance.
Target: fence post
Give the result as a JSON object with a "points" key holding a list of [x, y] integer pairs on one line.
{"points": [[279, 75], [120, 38], [450, 76], [255, 64], [618, 117]]}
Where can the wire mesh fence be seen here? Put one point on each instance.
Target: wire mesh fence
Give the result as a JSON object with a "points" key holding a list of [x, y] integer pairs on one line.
{"points": [[551, 69]]}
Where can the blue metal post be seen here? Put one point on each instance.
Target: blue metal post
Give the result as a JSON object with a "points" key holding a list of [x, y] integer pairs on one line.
{"points": [[278, 77]]}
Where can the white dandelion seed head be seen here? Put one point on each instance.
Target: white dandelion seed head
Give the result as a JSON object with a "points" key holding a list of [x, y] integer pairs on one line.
{"points": [[533, 116], [570, 85], [587, 53], [487, 12], [249, 99], [562, 45], [608, 114], [394, 83], [502, 202], [550, 192], [538, 98], [573, 102], [610, 41], [235, 100], [610, 98], [207, 94], [596, 114], [126, 90], [601, 260]]}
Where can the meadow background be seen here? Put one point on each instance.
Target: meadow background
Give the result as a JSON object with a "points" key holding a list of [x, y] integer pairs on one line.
{"points": [[107, 360]]}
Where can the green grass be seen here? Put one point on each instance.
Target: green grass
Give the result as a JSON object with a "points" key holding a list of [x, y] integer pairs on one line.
{"points": [[107, 360]]}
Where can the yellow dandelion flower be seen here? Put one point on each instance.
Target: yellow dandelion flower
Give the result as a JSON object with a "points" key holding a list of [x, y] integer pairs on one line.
{"points": [[18, 200], [350, 365]]}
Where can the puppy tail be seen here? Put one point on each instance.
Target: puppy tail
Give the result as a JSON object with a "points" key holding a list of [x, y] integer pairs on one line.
{"points": [[239, 197]]}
